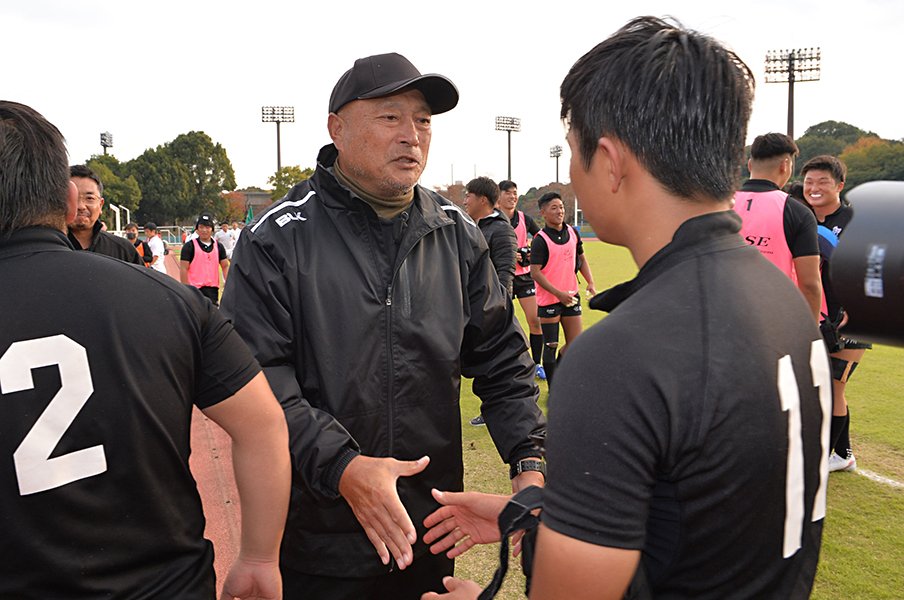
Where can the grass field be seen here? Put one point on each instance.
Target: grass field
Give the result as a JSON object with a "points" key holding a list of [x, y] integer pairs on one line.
{"points": [[863, 545]]}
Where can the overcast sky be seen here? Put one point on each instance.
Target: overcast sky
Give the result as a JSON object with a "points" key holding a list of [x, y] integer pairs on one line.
{"points": [[148, 71]]}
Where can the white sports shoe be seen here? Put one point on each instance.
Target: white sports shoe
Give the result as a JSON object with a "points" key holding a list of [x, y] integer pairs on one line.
{"points": [[836, 463]]}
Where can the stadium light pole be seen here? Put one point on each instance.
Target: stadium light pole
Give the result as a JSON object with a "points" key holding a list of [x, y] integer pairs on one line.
{"points": [[555, 152], [278, 114], [508, 124], [800, 64], [106, 141]]}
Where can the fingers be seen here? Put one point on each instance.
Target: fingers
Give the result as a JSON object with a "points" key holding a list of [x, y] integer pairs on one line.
{"points": [[516, 542], [438, 529], [377, 542]]}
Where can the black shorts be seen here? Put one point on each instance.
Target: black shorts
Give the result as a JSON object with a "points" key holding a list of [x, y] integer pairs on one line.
{"points": [[523, 286], [212, 294], [557, 309]]}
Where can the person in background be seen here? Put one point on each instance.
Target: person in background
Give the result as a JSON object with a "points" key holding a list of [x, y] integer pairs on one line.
{"points": [[823, 181], [157, 245], [781, 228], [225, 238], [556, 255], [86, 232], [523, 286], [96, 492], [141, 246], [202, 259], [480, 204]]}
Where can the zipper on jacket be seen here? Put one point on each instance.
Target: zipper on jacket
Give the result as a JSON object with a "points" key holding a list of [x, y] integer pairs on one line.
{"points": [[390, 400]]}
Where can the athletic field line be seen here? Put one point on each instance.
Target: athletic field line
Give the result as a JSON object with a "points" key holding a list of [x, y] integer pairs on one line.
{"points": [[880, 478]]}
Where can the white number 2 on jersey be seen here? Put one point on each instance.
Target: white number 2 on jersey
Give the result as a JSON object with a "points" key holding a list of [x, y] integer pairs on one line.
{"points": [[35, 470], [794, 475]]}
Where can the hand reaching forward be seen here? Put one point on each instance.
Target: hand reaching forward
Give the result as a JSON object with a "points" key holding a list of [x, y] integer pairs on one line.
{"points": [[465, 519], [253, 580], [459, 589], [368, 484]]}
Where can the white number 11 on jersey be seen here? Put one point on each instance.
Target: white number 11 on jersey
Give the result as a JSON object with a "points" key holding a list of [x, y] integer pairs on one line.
{"points": [[794, 475], [35, 470]]}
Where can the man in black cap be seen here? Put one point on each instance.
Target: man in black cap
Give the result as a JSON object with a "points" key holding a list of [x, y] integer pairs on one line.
{"points": [[201, 260], [366, 297]]}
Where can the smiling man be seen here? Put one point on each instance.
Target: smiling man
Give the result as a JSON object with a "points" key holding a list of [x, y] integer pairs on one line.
{"points": [[85, 230], [366, 297]]}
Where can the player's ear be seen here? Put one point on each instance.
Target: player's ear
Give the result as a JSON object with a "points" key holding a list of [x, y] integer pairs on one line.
{"points": [[612, 159], [71, 202]]}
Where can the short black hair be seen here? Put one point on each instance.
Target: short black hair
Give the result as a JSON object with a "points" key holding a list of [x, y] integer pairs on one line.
{"points": [[85, 171], [34, 174], [825, 162], [131, 226], [796, 190], [771, 145], [678, 99], [507, 184], [484, 186], [547, 198]]}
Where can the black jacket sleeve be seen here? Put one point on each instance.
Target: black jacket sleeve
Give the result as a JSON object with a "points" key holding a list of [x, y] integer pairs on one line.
{"points": [[257, 299], [503, 248]]}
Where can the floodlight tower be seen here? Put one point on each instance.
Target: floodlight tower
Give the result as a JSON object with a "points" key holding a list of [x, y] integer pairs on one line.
{"points": [[508, 124], [278, 114], [800, 64], [106, 140], [555, 152]]}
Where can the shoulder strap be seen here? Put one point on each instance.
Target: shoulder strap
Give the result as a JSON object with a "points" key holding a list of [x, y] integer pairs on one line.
{"points": [[515, 516]]}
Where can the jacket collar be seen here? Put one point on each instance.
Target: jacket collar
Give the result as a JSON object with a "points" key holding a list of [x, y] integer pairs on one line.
{"points": [[34, 239], [759, 185], [334, 195], [696, 236]]}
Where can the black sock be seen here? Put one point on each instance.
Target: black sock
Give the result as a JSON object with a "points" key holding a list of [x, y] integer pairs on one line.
{"points": [[536, 346], [549, 362], [843, 444], [835, 431]]}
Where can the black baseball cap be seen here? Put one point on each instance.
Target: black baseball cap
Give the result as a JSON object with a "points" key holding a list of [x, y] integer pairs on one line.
{"points": [[204, 219], [385, 74]]}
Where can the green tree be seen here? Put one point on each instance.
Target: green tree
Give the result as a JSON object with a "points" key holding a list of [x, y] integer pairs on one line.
{"points": [[209, 169], [828, 137], [283, 180], [873, 159], [119, 190], [165, 185]]}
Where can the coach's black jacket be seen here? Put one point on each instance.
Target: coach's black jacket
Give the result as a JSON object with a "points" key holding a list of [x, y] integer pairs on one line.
{"points": [[369, 360]]}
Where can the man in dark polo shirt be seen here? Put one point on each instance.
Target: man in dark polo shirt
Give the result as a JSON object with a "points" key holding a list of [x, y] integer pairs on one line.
{"points": [[85, 230]]}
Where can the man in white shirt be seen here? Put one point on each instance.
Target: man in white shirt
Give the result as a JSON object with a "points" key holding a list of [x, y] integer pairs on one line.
{"points": [[225, 238], [158, 249]]}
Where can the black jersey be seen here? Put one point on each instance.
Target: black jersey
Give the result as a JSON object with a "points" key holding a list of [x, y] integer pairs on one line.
{"points": [[96, 496], [686, 424], [188, 250], [830, 230], [529, 223], [539, 253]]}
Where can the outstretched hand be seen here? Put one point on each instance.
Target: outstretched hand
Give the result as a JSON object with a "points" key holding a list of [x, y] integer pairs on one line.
{"points": [[465, 519], [368, 484], [253, 580], [458, 589]]}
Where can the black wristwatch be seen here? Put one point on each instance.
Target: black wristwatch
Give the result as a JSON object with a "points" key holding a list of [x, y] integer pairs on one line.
{"points": [[527, 464]]}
